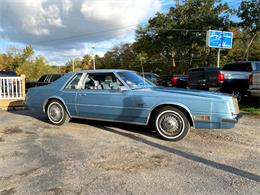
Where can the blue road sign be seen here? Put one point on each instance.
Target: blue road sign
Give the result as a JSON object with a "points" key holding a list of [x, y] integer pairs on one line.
{"points": [[219, 39]]}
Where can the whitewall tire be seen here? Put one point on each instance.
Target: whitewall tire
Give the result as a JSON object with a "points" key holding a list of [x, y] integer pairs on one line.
{"points": [[171, 123], [56, 113]]}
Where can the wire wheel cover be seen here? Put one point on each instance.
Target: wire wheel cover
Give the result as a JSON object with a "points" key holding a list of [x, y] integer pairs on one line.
{"points": [[56, 112], [170, 123]]}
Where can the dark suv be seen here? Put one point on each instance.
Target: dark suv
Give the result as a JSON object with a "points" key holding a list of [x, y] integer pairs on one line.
{"points": [[7, 73]]}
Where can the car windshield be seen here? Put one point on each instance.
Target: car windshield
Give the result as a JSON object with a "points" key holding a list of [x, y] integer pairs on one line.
{"points": [[134, 81]]}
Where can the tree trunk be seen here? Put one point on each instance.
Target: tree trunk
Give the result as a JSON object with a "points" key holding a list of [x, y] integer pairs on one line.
{"points": [[173, 59], [248, 46]]}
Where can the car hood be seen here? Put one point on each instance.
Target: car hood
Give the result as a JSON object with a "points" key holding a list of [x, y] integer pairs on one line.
{"points": [[167, 91]]}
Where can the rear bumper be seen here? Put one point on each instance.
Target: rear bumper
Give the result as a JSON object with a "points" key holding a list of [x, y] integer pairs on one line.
{"points": [[255, 92]]}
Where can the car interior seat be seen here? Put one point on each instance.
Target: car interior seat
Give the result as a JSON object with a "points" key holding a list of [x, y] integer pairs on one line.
{"points": [[107, 82]]}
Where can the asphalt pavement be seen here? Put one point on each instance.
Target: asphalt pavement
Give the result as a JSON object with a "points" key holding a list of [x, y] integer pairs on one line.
{"points": [[87, 157]]}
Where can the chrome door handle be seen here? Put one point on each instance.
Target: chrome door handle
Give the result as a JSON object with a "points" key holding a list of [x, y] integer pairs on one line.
{"points": [[82, 94]]}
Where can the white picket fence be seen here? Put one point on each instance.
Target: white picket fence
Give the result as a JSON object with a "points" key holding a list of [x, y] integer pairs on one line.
{"points": [[11, 88]]}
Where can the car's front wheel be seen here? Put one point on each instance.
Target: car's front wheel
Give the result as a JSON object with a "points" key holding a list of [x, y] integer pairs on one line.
{"points": [[56, 113], [171, 123]]}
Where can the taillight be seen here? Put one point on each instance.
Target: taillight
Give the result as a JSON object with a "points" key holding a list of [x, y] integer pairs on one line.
{"points": [[220, 77], [250, 79], [174, 81]]}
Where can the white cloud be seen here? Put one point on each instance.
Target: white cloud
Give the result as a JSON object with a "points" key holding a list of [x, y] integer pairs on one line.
{"points": [[124, 12], [64, 25]]}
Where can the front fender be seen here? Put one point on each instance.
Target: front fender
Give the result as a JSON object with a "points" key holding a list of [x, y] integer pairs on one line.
{"points": [[169, 103]]}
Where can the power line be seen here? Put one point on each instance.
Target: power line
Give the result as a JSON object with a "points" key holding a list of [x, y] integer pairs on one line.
{"points": [[130, 27], [177, 29], [86, 34]]}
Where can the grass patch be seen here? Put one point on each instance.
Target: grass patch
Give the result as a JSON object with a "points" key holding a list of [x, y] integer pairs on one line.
{"points": [[250, 105]]}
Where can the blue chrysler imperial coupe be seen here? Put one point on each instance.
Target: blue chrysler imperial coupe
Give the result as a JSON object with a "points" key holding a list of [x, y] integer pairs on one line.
{"points": [[126, 97]]}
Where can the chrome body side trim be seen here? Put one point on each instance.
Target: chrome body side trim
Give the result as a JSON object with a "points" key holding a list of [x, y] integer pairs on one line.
{"points": [[148, 118], [94, 105], [108, 120]]}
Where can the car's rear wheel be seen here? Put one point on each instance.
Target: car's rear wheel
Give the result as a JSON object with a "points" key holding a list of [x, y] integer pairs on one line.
{"points": [[56, 113], [171, 123]]}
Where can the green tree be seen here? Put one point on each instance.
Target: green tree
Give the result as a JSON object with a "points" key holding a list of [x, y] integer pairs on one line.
{"points": [[19, 57], [86, 62], [5, 60], [175, 41], [249, 13], [34, 69]]}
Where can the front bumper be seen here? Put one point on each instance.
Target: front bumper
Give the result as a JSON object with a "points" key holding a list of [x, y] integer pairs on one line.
{"points": [[234, 120], [224, 123]]}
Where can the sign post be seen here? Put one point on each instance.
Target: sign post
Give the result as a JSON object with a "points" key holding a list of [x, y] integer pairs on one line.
{"points": [[218, 57], [220, 40]]}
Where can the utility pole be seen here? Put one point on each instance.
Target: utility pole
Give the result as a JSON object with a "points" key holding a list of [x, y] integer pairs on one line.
{"points": [[94, 63], [94, 60], [73, 65], [177, 3]]}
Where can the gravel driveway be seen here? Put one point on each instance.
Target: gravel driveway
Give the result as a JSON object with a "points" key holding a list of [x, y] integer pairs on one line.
{"points": [[86, 157]]}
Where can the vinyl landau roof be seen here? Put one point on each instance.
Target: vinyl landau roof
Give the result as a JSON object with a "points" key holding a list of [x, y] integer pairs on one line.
{"points": [[105, 70]]}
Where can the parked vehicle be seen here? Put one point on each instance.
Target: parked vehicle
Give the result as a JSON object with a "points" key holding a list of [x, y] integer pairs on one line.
{"points": [[151, 77], [123, 96], [254, 83], [179, 81], [7, 73], [232, 78], [44, 80]]}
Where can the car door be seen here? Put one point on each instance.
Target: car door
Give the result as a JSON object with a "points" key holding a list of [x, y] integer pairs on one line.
{"points": [[104, 101], [69, 93]]}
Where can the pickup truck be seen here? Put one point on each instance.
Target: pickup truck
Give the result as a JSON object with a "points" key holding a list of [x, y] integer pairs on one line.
{"points": [[151, 77], [232, 78], [254, 83], [178, 81], [44, 80]]}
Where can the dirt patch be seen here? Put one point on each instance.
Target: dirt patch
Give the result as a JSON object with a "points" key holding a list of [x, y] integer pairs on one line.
{"points": [[55, 191], [2, 139], [12, 130], [132, 160], [30, 133], [28, 172], [8, 191], [17, 154]]}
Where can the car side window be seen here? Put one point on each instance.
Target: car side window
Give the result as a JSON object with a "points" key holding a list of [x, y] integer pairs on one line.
{"points": [[55, 77], [101, 81], [42, 79], [246, 67], [75, 82]]}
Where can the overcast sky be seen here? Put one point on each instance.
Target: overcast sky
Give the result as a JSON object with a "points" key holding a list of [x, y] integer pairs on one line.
{"points": [[64, 29]]}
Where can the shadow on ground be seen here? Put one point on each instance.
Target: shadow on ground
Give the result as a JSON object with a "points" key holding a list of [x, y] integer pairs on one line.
{"points": [[38, 116], [110, 127]]}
